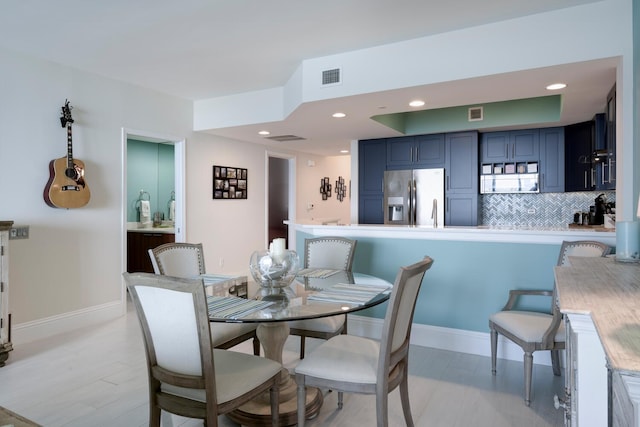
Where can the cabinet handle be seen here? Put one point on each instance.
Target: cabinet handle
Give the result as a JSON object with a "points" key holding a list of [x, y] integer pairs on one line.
{"points": [[610, 174], [593, 175], [416, 159], [603, 173], [585, 179], [506, 151], [513, 151]]}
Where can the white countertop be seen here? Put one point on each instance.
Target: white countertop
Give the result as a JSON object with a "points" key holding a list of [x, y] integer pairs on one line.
{"points": [[138, 228], [477, 234]]}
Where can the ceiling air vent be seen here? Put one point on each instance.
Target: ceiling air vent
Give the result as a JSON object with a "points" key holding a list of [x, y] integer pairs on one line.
{"points": [[331, 77], [285, 138], [475, 114]]}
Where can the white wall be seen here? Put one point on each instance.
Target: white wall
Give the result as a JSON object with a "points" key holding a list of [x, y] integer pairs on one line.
{"points": [[69, 270], [308, 188]]}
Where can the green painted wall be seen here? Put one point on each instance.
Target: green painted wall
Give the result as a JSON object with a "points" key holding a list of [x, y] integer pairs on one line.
{"points": [[531, 111], [150, 167], [468, 280]]}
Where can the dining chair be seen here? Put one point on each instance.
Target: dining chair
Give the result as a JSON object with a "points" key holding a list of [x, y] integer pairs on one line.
{"points": [[187, 376], [334, 253], [354, 364], [186, 260], [533, 330]]}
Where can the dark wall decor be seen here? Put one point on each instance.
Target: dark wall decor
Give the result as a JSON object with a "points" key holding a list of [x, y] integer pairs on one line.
{"points": [[325, 188], [229, 182], [341, 188]]}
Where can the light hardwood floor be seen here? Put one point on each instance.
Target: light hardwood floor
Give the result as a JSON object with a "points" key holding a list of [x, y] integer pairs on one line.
{"points": [[97, 377]]}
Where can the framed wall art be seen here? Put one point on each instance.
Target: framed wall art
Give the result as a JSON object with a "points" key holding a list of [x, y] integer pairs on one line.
{"points": [[229, 182]]}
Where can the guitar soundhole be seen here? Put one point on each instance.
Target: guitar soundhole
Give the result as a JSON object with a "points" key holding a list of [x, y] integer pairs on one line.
{"points": [[70, 173]]}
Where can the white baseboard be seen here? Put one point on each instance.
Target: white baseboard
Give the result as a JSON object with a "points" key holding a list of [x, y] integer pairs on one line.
{"points": [[470, 342], [44, 328]]}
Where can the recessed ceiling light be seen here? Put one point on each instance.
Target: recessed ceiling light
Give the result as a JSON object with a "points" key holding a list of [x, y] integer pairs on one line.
{"points": [[556, 86], [339, 115], [416, 103], [264, 132], [344, 151]]}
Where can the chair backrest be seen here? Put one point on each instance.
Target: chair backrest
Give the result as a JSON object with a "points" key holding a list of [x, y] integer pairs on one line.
{"points": [[329, 252], [583, 248], [396, 330], [174, 318], [178, 259]]}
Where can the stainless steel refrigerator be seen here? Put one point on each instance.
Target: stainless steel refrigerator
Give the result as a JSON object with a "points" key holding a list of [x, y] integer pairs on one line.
{"points": [[414, 197]]}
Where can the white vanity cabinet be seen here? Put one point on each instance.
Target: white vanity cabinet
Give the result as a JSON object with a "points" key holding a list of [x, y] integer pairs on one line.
{"points": [[586, 374], [5, 316]]}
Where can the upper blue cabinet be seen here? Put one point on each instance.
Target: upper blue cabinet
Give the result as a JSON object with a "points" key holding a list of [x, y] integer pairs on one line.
{"points": [[513, 146], [416, 152]]}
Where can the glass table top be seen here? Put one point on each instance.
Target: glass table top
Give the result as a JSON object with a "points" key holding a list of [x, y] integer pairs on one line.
{"points": [[314, 293]]}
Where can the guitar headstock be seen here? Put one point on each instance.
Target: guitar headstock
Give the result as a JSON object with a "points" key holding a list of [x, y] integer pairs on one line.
{"points": [[66, 114]]}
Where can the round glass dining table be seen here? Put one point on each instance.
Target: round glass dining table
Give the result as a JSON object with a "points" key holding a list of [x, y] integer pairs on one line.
{"points": [[315, 293]]}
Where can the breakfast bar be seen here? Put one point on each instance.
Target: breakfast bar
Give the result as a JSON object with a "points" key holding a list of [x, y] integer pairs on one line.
{"points": [[474, 269]]}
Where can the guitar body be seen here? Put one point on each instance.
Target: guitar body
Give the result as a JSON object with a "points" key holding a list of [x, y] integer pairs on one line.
{"points": [[66, 189]]}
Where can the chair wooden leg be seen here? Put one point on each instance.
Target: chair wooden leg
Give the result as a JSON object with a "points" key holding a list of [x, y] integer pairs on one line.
{"points": [[302, 342], [274, 396], [555, 362], [302, 400], [382, 410], [256, 347], [528, 371], [494, 349], [404, 398], [154, 415]]}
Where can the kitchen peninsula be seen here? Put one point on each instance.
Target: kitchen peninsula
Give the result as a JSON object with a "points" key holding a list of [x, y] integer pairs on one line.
{"points": [[473, 270]]}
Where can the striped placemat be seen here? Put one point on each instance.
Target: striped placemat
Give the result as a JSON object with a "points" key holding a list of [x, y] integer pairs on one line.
{"points": [[233, 307], [349, 293]]}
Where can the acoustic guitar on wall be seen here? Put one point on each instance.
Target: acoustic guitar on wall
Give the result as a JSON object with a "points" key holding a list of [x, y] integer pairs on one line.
{"points": [[66, 187]]}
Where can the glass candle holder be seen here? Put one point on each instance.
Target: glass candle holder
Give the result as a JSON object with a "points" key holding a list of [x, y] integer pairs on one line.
{"points": [[274, 271]]}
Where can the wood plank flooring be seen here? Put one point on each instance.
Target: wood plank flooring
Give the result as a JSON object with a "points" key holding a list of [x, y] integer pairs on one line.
{"points": [[97, 377]]}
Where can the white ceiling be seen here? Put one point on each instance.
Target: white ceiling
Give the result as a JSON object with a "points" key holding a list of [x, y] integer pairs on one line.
{"points": [[200, 49]]}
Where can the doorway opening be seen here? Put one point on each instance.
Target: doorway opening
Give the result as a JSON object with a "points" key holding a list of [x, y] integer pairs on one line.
{"points": [[281, 197], [157, 178]]}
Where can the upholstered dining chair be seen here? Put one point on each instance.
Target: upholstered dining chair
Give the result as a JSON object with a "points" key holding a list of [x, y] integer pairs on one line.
{"points": [[187, 376], [354, 364], [532, 330], [333, 253], [186, 260]]}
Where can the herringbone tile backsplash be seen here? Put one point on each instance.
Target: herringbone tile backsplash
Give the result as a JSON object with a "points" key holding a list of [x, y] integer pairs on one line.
{"points": [[542, 210]]}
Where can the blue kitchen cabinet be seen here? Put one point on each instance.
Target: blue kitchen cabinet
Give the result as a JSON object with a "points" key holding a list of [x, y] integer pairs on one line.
{"points": [[512, 146], [372, 161], [552, 160], [461, 178], [579, 174], [416, 152]]}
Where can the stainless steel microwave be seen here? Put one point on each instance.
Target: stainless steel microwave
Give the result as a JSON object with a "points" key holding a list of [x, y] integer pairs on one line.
{"points": [[509, 183]]}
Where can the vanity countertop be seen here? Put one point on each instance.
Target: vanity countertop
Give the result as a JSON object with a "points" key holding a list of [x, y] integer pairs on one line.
{"points": [[608, 291], [136, 228]]}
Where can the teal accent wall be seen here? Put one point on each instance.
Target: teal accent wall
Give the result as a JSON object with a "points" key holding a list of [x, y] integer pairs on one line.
{"points": [[530, 111], [150, 167], [468, 280]]}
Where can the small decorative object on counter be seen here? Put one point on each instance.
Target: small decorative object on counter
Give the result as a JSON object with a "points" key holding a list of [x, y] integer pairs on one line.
{"points": [[276, 267]]}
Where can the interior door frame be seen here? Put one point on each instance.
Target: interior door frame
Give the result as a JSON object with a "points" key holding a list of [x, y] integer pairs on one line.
{"points": [[179, 146], [291, 162]]}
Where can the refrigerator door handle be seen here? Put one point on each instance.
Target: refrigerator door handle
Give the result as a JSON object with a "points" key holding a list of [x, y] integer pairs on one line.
{"points": [[434, 213], [413, 196]]}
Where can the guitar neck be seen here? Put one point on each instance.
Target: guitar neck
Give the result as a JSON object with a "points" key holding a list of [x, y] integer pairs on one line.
{"points": [[69, 147]]}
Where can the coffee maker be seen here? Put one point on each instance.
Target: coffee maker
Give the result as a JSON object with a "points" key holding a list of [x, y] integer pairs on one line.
{"points": [[597, 211]]}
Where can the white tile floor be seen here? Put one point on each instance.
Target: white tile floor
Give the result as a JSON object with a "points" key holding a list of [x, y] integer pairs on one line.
{"points": [[97, 377]]}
